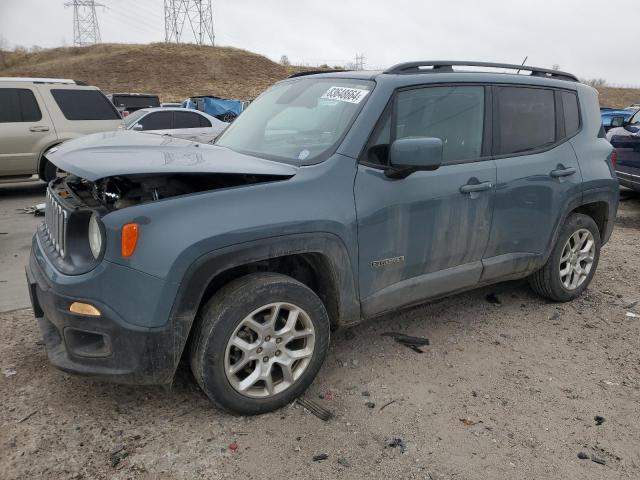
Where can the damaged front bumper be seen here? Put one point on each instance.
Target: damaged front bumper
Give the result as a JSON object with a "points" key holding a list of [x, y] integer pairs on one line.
{"points": [[107, 346]]}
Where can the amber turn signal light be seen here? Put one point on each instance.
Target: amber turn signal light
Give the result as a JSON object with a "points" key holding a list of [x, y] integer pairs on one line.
{"points": [[84, 309], [129, 239]]}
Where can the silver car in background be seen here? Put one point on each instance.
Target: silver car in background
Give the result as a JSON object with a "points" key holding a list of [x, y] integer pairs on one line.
{"points": [[176, 122]]}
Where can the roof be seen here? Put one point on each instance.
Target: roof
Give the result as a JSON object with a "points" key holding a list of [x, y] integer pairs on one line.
{"points": [[40, 80], [135, 94], [441, 67]]}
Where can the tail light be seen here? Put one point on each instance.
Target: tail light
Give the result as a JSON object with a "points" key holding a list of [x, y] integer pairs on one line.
{"points": [[125, 114], [614, 159]]}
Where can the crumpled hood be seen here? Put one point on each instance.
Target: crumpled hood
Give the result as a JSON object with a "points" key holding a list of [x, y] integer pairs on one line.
{"points": [[109, 154]]}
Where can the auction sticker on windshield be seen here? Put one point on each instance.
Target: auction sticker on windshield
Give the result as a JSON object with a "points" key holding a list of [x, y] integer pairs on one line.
{"points": [[344, 94]]}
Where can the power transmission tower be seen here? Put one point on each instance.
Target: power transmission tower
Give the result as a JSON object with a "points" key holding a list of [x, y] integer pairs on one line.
{"points": [[86, 30], [196, 14], [359, 64]]}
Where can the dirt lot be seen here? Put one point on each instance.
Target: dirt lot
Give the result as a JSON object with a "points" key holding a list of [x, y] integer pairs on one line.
{"points": [[505, 391]]}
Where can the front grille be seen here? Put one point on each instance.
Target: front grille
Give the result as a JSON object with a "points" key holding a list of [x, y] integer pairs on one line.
{"points": [[55, 222]]}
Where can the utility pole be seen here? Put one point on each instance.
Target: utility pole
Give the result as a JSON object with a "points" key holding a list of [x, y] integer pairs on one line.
{"points": [[196, 14], [86, 30]]}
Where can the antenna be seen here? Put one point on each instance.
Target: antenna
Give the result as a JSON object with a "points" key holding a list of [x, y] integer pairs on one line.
{"points": [[86, 30], [523, 62], [197, 14]]}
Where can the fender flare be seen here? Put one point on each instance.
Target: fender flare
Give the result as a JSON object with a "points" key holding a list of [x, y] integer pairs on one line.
{"points": [[202, 271], [604, 195]]}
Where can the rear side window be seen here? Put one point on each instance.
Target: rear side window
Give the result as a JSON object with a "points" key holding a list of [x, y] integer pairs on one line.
{"points": [[571, 113], [157, 121], [525, 119], [18, 105], [84, 105], [188, 120]]}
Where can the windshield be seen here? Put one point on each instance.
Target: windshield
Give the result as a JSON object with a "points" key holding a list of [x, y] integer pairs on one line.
{"points": [[298, 121], [134, 117]]}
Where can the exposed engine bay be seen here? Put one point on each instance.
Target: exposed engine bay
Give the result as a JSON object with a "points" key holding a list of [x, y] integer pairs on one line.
{"points": [[115, 193]]}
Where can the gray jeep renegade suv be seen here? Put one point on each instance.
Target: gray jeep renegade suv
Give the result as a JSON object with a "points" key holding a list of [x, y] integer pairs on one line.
{"points": [[333, 198]]}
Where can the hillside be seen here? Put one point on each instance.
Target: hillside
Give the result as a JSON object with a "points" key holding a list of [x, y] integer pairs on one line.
{"points": [[172, 71], [177, 71], [618, 97]]}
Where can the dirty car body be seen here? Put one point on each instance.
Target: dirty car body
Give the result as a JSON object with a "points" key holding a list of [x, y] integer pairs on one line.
{"points": [[304, 184]]}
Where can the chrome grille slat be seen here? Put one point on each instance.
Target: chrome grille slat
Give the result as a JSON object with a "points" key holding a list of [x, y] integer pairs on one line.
{"points": [[55, 222]]}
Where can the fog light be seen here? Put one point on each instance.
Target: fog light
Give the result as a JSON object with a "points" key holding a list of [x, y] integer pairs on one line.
{"points": [[84, 309]]}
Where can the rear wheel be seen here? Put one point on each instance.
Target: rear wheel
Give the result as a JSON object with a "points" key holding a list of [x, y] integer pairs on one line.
{"points": [[259, 342], [573, 262]]}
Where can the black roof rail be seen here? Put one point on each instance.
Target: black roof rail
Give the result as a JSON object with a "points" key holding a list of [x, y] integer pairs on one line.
{"points": [[81, 83], [447, 66], [315, 72]]}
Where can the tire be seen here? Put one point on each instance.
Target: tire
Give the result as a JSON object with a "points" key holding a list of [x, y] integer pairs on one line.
{"points": [[551, 281], [233, 313]]}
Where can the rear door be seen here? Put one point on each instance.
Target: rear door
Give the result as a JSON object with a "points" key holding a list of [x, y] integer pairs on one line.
{"points": [[193, 126], [25, 130], [425, 235], [538, 173]]}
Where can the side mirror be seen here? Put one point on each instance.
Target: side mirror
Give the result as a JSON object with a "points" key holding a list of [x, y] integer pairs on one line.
{"points": [[407, 155], [137, 127], [617, 122]]}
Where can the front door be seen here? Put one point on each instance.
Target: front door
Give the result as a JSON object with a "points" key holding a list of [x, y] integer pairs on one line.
{"points": [[425, 235]]}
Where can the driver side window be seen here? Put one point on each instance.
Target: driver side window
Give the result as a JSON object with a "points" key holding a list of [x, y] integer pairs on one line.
{"points": [[453, 114]]}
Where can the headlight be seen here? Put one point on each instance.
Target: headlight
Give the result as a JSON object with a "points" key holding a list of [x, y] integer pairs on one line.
{"points": [[95, 236]]}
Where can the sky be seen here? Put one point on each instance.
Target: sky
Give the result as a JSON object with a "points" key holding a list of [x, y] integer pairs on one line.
{"points": [[590, 38]]}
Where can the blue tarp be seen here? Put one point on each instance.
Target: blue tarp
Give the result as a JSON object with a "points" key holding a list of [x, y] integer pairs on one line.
{"points": [[215, 106]]}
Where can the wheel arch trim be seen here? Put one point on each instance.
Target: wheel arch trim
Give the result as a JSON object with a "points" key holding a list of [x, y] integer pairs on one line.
{"points": [[203, 271]]}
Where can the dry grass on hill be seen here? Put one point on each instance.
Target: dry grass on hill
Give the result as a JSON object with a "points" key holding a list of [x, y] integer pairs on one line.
{"points": [[618, 97], [172, 71], [178, 71]]}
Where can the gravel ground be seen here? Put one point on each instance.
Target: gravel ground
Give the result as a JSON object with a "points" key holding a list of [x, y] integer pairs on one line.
{"points": [[505, 390]]}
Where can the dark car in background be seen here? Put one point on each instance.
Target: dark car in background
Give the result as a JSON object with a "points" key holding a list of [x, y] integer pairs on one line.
{"points": [[625, 138], [127, 103]]}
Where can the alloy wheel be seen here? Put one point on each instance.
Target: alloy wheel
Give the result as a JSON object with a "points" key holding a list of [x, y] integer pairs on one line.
{"points": [[269, 350], [577, 259]]}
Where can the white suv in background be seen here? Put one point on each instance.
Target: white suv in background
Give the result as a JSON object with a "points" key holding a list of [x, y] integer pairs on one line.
{"points": [[39, 113]]}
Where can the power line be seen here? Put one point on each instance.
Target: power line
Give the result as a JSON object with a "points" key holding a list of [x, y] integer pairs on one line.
{"points": [[196, 14], [86, 30]]}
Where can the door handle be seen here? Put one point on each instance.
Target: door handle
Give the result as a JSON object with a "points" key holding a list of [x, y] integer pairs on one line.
{"points": [[475, 187], [39, 129], [562, 172]]}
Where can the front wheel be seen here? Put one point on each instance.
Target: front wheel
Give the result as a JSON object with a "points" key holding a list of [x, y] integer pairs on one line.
{"points": [[259, 342], [572, 263]]}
